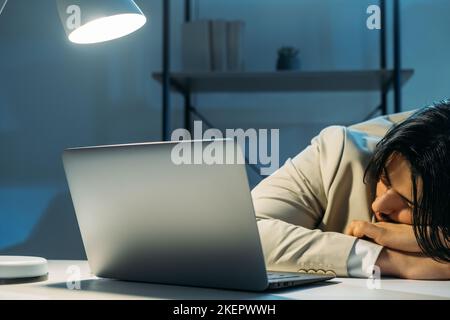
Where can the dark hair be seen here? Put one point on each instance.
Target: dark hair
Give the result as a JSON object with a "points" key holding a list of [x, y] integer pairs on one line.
{"points": [[423, 139]]}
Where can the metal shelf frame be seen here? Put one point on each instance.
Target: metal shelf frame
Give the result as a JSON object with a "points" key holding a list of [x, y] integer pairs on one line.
{"points": [[395, 80]]}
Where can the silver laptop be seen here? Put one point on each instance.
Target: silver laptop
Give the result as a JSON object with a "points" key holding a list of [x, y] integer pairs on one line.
{"points": [[145, 217]]}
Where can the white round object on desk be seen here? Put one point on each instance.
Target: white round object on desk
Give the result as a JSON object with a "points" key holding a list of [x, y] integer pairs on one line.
{"points": [[18, 267]]}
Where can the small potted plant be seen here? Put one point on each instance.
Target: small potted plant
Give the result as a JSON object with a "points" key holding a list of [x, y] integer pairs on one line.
{"points": [[288, 58]]}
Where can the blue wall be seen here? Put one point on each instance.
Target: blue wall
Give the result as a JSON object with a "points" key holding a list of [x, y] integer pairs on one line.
{"points": [[54, 94]]}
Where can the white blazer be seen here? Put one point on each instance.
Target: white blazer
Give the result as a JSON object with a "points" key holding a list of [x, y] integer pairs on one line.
{"points": [[305, 206]]}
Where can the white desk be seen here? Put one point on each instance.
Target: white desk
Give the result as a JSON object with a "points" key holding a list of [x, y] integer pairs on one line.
{"points": [[93, 288]]}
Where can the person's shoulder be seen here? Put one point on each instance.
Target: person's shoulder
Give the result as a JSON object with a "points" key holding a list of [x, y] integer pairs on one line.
{"points": [[331, 136], [361, 137], [378, 126]]}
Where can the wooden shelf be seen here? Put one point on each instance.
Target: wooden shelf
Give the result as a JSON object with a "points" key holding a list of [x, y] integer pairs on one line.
{"points": [[284, 81]]}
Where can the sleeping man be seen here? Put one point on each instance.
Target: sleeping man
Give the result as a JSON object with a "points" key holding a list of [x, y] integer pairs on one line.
{"points": [[371, 197]]}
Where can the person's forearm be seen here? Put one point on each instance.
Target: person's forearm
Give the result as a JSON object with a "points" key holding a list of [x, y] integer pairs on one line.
{"points": [[390, 263], [293, 248], [411, 266]]}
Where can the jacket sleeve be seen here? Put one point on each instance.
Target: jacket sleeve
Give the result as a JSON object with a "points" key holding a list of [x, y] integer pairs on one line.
{"points": [[290, 204]]}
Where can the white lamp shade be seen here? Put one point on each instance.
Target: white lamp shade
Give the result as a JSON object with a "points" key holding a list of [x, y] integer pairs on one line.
{"points": [[93, 21]]}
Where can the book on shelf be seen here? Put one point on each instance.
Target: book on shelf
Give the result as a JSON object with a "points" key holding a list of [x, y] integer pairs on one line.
{"points": [[212, 45], [218, 45], [235, 45], [195, 46]]}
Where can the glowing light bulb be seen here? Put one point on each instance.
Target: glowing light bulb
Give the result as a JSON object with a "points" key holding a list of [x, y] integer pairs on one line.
{"points": [[107, 28]]}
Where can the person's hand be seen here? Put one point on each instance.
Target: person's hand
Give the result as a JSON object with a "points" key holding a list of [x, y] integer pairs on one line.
{"points": [[411, 266], [392, 235]]}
